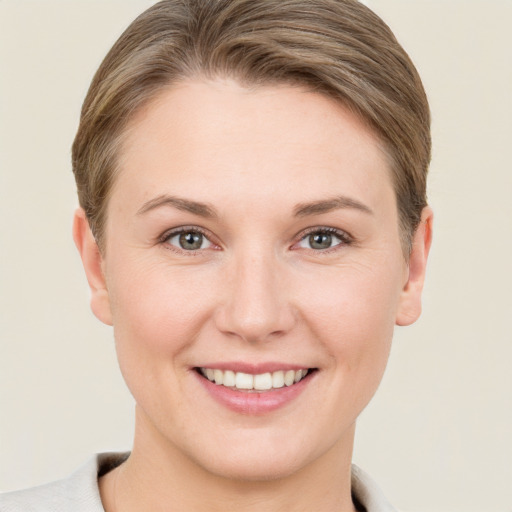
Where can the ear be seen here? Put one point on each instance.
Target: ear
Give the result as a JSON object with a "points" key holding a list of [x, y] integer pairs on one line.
{"points": [[92, 262], [409, 308]]}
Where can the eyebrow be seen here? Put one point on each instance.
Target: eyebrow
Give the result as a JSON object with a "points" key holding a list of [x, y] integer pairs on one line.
{"points": [[195, 207], [327, 205], [208, 211]]}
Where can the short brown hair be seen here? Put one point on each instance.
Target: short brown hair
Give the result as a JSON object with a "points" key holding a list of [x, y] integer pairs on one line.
{"points": [[335, 47]]}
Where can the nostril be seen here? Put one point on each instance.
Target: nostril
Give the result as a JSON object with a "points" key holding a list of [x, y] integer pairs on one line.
{"points": [[254, 324]]}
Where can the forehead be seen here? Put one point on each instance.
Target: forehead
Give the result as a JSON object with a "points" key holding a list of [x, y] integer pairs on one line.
{"points": [[212, 138]]}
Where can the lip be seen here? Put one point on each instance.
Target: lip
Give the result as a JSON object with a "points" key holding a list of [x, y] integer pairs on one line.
{"points": [[254, 403], [253, 368]]}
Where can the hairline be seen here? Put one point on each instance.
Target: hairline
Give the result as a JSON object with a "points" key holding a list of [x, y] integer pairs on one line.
{"points": [[155, 95]]}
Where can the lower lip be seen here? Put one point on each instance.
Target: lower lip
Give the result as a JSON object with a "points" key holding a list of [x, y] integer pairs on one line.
{"points": [[254, 403]]}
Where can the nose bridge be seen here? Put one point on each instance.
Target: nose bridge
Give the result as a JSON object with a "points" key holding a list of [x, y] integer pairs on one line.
{"points": [[256, 304]]}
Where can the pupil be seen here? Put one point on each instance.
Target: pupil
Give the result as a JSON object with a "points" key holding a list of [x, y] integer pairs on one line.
{"points": [[320, 240], [191, 241]]}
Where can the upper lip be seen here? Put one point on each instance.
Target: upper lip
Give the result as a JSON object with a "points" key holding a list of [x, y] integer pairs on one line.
{"points": [[253, 368]]}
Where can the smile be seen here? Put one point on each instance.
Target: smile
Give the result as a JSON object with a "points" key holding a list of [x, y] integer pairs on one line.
{"points": [[249, 382], [255, 389]]}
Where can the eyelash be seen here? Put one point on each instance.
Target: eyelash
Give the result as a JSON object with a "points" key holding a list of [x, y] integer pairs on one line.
{"points": [[343, 236], [164, 239]]}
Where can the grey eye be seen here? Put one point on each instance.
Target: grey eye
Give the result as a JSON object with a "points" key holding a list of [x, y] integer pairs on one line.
{"points": [[321, 240], [189, 241]]}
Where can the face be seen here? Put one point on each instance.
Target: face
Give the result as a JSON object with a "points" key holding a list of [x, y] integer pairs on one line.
{"points": [[253, 275]]}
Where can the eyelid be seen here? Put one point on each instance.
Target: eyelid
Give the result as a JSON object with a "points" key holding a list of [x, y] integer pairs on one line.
{"points": [[163, 238], [345, 237]]}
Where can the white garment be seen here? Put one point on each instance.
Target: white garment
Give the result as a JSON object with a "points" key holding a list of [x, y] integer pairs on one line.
{"points": [[79, 492]]}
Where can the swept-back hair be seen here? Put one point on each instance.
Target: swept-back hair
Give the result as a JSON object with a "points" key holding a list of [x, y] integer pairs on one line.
{"points": [[339, 48]]}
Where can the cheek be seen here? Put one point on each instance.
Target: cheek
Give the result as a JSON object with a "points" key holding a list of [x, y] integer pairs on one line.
{"points": [[351, 301], [353, 317], [157, 310], [358, 343], [158, 313]]}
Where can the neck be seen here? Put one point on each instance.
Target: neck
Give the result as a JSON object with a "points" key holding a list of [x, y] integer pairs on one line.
{"points": [[159, 477]]}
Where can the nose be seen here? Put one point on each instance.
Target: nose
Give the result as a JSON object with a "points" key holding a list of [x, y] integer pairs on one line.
{"points": [[256, 306]]}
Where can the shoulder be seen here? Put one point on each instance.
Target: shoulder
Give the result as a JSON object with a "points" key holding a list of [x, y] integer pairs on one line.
{"points": [[78, 493], [367, 494]]}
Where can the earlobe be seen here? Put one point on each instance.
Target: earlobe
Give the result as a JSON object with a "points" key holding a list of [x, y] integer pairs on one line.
{"points": [[92, 262], [409, 308]]}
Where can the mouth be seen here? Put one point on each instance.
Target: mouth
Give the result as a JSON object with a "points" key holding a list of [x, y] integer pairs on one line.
{"points": [[254, 383], [255, 389]]}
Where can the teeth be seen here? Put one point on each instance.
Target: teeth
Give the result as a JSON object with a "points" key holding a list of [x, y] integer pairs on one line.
{"points": [[278, 379], [289, 377], [263, 381], [229, 379], [299, 374], [260, 382], [218, 376], [243, 381]]}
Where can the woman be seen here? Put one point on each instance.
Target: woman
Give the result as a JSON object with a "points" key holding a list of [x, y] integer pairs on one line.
{"points": [[253, 223]]}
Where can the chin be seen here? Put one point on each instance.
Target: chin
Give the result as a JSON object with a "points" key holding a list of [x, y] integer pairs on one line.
{"points": [[259, 456], [262, 467]]}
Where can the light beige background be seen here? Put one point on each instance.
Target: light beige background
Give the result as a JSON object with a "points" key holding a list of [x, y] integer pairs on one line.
{"points": [[437, 437]]}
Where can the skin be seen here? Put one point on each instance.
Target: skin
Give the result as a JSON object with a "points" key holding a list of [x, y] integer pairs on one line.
{"points": [[256, 291]]}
